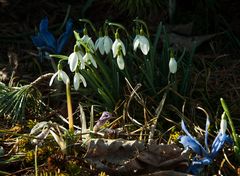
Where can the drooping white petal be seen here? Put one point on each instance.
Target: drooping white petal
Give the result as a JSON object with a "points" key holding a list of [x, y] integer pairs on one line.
{"points": [[92, 60], [120, 62], [136, 42], [90, 44], [81, 60], [88, 59], [73, 61], [101, 48], [88, 41], [172, 65], [115, 48], [144, 44], [83, 80], [107, 44], [52, 78], [77, 79], [99, 44], [63, 76], [85, 58]]}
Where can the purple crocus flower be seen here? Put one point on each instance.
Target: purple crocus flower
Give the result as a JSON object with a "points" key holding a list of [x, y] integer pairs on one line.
{"points": [[204, 156], [45, 40], [102, 120]]}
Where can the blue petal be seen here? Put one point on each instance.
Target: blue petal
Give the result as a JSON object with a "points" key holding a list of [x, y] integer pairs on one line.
{"points": [[46, 36], [196, 166], [43, 27], [189, 142], [41, 44], [217, 144], [65, 36], [201, 150], [184, 128], [38, 41], [229, 140]]}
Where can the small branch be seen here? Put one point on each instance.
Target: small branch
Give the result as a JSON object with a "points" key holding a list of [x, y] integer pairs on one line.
{"points": [[41, 78], [158, 111]]}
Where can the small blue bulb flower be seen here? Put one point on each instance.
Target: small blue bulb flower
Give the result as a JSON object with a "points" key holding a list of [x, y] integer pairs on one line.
{"points": [[45, 40], [204, 156]]}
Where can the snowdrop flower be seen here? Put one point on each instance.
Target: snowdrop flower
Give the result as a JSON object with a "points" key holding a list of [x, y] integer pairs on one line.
{"points": [[204, 155], [172, 65], [140, 41], [77, 79], [74, 59], [62, 76], [104, 44], [119, 51], [88, 59], [88, 41], [118, 47]]}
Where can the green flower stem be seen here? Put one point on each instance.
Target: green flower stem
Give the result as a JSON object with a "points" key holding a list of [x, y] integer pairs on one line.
{"points": [[69, 106], [53, 63], [226, 110], [78, 38], [90, 23], [76, 35], [119, 26], [61, 57], [144, 24], [171, 53]]}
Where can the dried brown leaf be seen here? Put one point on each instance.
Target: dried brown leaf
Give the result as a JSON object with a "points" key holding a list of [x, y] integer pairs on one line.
{"points": [[124, 156]]}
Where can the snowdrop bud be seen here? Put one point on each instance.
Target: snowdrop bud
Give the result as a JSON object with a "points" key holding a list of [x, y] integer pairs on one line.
{"points": [[172, 65], [223, 124]]}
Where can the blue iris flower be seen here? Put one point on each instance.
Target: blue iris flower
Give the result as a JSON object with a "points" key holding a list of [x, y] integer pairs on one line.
{"points": [[45, 40], [204, 156]]}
